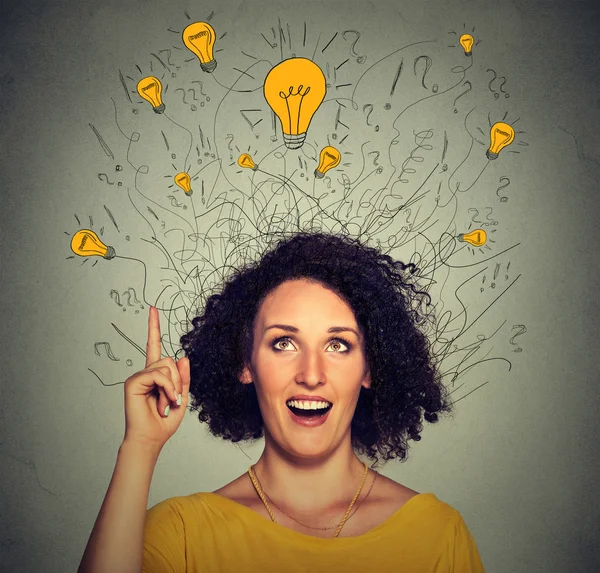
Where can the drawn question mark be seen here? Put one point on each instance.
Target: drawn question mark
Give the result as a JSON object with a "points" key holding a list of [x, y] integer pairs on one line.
{"points": [[174, 202], [408, 225], [370, 106], [104, 177], [503, 199], [193, 93], [500, 88], [521, 330], [375, 160], [353, 52], [168, 57], [473, 220], [487, 217], [107, 349], [427, 66], [183, 92], [128, 295], [346, 183], [135, 298], [462, 94], [229, 135], [328, 182], [115, 296], [492, 81], [201, 86]]}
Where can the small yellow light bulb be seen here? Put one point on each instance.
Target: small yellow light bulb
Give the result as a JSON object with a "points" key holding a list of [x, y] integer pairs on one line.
{"points": [[477, 238], [466, 41], [150, 89], [501, 135], [183, 180], [330, 157], [86, 243], [245, 160], [199, 38], [294, 90]]}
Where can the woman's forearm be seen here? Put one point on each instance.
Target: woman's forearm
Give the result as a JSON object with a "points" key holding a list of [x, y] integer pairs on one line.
{"points": [[116, 541]]}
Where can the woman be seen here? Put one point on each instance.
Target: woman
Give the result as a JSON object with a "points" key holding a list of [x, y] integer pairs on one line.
{"points": [[320, 347]]}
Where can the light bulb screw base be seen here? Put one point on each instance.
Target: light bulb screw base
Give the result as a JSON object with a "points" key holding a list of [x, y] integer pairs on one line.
{"points": [[491, 155], [469, 53], [159, 109], [294, 141], [318, 174], [110, 254], [209, 66]]}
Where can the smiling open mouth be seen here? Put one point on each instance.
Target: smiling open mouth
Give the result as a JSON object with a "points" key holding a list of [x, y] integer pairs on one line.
{"points": [[309, 412]]}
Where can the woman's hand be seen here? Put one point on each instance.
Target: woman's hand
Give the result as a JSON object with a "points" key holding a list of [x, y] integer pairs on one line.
{"points": [[152, 390]]}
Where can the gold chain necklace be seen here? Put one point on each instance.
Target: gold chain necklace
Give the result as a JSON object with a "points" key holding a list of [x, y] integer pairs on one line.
{"points": [[323, 528], [339, 527]]}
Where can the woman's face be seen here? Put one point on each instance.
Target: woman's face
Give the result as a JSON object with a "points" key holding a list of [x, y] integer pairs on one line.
{"points": [[295, 353]]}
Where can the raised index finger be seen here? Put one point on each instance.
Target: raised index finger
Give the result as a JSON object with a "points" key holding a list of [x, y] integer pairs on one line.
{"points": [[153, 344]]}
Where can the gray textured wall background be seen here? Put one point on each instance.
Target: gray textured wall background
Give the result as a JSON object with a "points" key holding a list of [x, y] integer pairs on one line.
{"points": [[520, 459]]}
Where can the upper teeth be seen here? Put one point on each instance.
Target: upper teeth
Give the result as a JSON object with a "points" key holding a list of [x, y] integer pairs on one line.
{"points": [[306, 405]]}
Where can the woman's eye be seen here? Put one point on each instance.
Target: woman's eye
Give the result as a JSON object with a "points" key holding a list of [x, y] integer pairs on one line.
{"points": [[336, 341]]}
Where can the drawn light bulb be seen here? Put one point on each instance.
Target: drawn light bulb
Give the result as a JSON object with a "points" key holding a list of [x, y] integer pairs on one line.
{"points": [[501, 135], [183, 180], [294, 89], [466, 41], [330, 157], [199, 38], [245, 160], [86, 243], [150, 89], [477, 238]]}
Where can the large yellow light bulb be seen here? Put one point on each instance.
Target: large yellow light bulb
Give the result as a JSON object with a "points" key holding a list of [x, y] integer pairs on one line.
{"points": [[477, 238], [466, 41], [330, 157], [294, 89], [150, 89], [199, 38], [501, 135], [184, 181], [245, 160], [86, 243]]}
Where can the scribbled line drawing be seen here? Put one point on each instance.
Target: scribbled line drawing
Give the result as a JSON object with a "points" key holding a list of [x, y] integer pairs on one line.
{"points": [[521, 329], [107, 350], [103, 143], [397, 77], [406, 202]]}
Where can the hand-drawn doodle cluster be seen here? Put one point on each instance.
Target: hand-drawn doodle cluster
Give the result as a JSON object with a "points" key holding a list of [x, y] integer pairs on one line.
{"points": [[321, 138]]}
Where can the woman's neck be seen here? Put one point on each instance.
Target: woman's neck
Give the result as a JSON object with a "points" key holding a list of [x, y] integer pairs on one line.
{"points": [[305, 486]]}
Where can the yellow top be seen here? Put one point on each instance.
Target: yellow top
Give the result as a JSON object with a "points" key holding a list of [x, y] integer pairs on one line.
{"points": [[206, 532]]}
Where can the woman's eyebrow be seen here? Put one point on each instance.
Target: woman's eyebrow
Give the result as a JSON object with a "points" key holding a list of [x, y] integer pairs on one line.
{"points": [[290, 328]]}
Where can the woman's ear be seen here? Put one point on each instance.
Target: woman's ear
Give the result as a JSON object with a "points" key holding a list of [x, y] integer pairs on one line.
{"points": [[245, 377], [366, 383]]}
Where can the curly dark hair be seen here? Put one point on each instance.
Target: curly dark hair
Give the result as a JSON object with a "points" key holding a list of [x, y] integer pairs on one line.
{"points": [[389, 308]]}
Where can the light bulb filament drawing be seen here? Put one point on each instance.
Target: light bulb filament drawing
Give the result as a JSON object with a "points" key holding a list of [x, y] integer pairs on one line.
{"points": [[294, 116]]}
